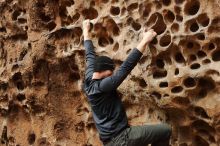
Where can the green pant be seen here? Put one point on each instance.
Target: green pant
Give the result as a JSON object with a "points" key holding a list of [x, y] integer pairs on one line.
{"points": [[156, 135]]}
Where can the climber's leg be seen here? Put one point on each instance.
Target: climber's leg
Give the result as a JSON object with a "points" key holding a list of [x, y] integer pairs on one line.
{"points": [[157, 135]]}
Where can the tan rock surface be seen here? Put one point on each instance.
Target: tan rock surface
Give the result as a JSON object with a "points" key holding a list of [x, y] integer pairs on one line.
{"points": [[42, 63]]}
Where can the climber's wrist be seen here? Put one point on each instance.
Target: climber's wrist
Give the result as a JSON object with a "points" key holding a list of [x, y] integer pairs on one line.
{"points": [[141, 46], [86, 35]]}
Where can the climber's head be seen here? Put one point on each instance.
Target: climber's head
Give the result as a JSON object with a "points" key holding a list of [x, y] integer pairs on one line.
{"points": [[103, 67]]}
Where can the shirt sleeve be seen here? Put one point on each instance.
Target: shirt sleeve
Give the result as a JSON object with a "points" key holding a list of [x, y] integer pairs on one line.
{"points": [[113, 81], [90, 59]]}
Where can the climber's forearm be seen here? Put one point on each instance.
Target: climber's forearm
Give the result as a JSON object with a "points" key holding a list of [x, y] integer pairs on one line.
{"points": [[86, 35], [142, 46], [86, 27]]}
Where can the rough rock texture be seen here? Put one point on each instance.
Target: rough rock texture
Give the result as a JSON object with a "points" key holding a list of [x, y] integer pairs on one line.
{"points": [[42, 63]]}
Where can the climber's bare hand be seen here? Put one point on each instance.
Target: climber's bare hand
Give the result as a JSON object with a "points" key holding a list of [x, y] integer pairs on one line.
{"points": [[86, 25], [86, 28], [149, 36]]}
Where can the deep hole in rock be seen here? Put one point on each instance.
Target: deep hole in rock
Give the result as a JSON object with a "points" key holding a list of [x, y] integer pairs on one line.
{"points": [[116, 47], [20, 85], [110, 25], [206, 61], [31, 138], [142, 83], [160, 26], [21, 97], [23, 53], [177, 89], [195, 66], [103, 41], [4, 112], [189, 82], [160, 63], [159, 74], [20, 36], [207, 83], [17, 76], [216, 55], [192, 57], [190, 45], [194, 27], [199, 111], [132, 7], [179, 18], [130, 20], [136, 26], [3, 86], [90, 13], [201, 36], [41, 70], [3, 29], [156, 94], [129, 50], [175, 27], [111, 40], [13, 108], [192, 7], [67, 3], [181, 100], [76, 17], [22, 20], [76, 35], [115, 10], [74, 76], [176, 71], [202, 93], [158, 5], [201, 54], [169, 16], [154, 41], [203, 19], [36, 108], [166, 2], [15, 14], [147, 10], [211, 46], [177, 9], [179, 57], [163, 85], [165, 40], [44, 17], [213, 28]]}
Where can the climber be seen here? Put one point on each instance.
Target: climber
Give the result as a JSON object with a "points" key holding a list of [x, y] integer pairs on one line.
{"points": [[100, 86]]}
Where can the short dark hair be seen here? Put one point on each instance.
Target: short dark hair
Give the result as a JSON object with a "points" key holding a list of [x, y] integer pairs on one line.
{"points": [[103, 63]]}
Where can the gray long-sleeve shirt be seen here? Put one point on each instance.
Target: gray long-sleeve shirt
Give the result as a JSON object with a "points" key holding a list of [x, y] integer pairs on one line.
{"points": [[108, 112]]}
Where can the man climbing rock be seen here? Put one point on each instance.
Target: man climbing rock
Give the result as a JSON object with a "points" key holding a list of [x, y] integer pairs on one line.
{"points": [[100, 85]]}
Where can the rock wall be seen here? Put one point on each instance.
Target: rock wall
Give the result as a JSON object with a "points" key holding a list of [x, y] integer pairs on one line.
{"points": [[42, 65]]}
